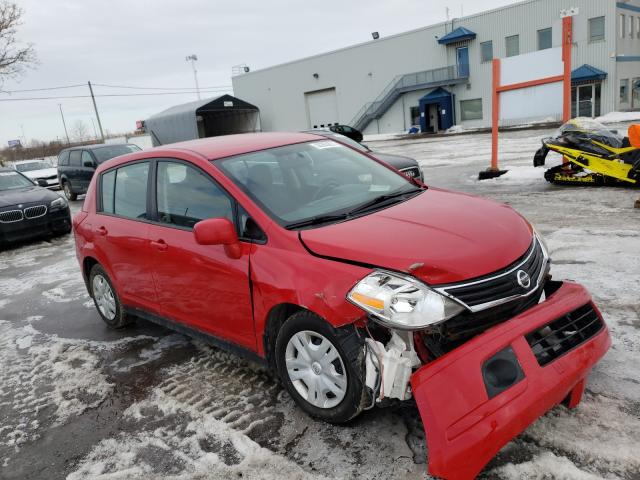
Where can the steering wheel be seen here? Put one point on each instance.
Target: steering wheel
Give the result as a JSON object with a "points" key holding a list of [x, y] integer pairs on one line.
{"points": [[324, 190]]}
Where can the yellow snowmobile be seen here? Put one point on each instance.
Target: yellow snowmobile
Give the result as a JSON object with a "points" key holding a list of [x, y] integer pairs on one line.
{"points": [[595, 154]]}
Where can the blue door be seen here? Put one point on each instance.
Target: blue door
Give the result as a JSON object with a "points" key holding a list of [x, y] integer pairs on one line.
{"points": [[462, 54]]}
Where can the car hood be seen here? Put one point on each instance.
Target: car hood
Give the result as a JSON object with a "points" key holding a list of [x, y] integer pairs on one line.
{"points": [[44, 173], [396, 161], [26, 195], [437, 236]]}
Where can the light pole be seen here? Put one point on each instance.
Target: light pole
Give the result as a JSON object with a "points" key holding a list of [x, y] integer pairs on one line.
{"points": [[64, 124], [192, 58]]}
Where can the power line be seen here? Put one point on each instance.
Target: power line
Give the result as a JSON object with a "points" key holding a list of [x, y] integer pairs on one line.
{"points": [[106, 95], [225, 87], [42, 89]]}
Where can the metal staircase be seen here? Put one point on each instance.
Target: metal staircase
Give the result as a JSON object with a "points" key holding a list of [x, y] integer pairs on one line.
{"points": [[408, 82]]}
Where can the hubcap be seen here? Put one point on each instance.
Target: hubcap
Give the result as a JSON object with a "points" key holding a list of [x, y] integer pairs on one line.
{"points": [[103, 295], [316, 369]]}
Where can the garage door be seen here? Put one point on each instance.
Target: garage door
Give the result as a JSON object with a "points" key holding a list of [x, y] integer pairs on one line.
{"points": [[322, 107]]}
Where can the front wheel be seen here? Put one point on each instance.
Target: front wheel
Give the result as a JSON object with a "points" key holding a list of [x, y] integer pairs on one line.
{"points": [[321, 367]]}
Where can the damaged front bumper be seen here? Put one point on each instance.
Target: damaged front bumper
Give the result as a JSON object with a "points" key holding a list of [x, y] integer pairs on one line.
{"points": [[476, 398]]}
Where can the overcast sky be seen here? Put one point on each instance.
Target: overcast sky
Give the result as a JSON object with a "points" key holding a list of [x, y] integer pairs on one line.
{"points": [[144, 44]]}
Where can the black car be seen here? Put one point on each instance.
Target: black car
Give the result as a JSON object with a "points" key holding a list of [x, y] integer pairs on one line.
{"points": [[28, 210], [77, 164], [347, 131], [406, 165]]}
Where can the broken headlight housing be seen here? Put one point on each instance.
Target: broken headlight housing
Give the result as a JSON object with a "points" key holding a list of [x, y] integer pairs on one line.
{"points": [[402, 302]]}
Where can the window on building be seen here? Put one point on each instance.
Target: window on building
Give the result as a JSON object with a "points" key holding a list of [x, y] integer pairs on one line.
{"points": [[544, 38], [415, 115], [637, 27], [130, 194], [596, 29], [486, 51], [635, 93], [622, 26], [624, 91], [471, 109], [512, 44], [186, 195], [631, 25]]}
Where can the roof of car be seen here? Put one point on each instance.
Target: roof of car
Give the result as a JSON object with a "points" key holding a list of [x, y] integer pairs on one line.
{"points": [[94, 146], [228, 145]]}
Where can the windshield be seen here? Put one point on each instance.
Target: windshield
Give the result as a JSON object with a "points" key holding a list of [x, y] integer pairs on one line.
{"points": [[591, 128], [309, 180], [31, 166], [346, 140], [105, 153], [11, 180]]}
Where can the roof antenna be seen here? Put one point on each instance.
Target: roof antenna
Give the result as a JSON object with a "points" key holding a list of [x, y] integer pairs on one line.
{"points": [[446, 9]]}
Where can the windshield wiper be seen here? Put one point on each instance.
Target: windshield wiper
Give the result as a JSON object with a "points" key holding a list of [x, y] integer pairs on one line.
{"points": [[317, 220], [382, 199]]}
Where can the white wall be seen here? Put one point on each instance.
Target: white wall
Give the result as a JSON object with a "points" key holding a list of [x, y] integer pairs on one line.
{"points": [[360, 72]]}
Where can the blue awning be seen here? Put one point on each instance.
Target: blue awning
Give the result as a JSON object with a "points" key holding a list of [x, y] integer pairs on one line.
{"points": [[435, 95], [457, 35], [587, 73]]}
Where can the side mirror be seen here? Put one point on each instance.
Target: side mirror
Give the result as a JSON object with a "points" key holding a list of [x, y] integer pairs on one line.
{"points": [[42, 182], [218, 231], [89, 164]]}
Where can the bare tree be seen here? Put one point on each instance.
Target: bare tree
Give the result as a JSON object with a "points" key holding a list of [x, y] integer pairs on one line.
{"points": [[14, 56], [79, 131]]}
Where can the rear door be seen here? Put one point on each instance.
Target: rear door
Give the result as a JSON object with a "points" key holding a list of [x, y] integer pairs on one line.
{"points": [[198, 285], [74, 171], [120, 232]]}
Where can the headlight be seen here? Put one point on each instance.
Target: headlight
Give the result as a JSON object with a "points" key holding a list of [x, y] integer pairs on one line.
{"points": [[402, 302], [58, 203]]}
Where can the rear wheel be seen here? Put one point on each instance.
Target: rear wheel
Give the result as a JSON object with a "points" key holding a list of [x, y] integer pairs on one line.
{"points": [[321, 367], [66, 186], [106, 299]]}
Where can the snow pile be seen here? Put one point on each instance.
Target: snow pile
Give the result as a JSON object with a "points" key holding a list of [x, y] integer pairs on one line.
{"points": [[619, 117], [455, 129], [546, 465]]}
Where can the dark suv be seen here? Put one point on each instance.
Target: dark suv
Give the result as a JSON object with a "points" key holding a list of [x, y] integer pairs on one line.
{"points": [[77, 164]]}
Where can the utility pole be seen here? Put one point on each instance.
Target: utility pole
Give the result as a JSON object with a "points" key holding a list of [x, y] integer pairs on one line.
{"points": [[94, 128], [192, 58], [96, 110], [65, 125]]}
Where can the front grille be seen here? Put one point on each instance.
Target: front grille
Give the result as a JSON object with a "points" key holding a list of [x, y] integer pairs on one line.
{"points": [[505, 285], [564, 334], [413, 172], [11, 216], [35, 211]]}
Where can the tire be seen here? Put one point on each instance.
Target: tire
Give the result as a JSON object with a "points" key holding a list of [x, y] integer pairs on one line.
{"points": [[340, 393], [68, 192], [106, 299]]}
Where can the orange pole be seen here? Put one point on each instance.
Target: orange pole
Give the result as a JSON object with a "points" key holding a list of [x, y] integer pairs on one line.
{"points": [[567, 40], [495, 113]]}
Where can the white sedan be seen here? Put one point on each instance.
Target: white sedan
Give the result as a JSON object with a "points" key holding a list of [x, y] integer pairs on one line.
{"points": [[38, 170]]}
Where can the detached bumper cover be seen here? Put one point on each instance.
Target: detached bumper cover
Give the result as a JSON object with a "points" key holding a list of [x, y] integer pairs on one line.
{"points": [[464, 427]]}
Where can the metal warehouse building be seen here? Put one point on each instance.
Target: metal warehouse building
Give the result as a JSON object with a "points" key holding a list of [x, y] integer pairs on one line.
{"points": [[440, 76]]}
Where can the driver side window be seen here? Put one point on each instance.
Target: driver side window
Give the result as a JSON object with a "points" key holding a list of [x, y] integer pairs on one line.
{"points": [[185, 195]]}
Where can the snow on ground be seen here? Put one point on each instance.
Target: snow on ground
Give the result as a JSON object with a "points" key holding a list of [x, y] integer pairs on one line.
{"points": [[80, 401], [617, 117]]}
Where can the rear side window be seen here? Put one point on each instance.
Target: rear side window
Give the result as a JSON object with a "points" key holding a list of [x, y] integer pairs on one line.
{"points": [[63, 159], [185, 195], [108, 187], [74, 158], [124, 191]]}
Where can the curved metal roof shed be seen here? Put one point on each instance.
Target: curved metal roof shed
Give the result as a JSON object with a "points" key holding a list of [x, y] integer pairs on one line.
{"points": [[210, 117]]}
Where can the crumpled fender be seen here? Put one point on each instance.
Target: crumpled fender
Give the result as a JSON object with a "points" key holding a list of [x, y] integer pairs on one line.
{"points": [[464, 427]]}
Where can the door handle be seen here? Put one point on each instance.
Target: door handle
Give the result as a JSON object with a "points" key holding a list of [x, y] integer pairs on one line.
{"points": [[160, 244], [101, 231]]}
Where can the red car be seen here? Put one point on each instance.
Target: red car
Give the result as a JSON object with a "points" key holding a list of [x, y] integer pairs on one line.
{"points": [[352, 281]]}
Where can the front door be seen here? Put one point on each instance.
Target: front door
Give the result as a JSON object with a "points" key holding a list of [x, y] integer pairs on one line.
{"points": [[585, 101], [433, 117], [462, 55], [198, 285]]}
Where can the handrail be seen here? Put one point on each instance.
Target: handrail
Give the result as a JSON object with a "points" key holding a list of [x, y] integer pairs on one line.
{"points": [[392, 91]]}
